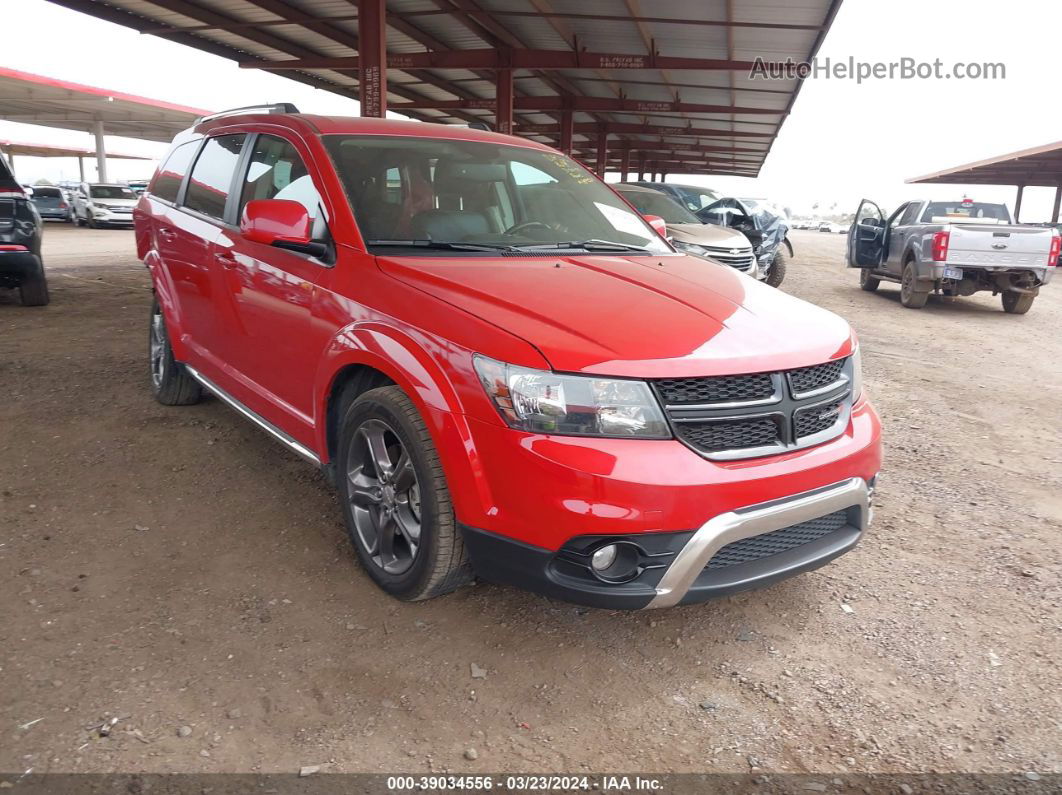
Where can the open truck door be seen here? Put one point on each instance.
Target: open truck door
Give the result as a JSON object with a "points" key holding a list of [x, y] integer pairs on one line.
{"points": [[867, 236]]}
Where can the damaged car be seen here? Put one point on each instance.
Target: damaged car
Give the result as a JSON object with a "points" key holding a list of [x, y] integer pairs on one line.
{"points": [[766, 228]]}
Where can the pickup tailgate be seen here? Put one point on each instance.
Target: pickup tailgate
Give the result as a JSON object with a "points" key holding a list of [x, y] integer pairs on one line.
{"points": [[1007, 246]]}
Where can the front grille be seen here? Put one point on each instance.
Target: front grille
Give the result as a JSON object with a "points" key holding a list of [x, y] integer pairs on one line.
{"points": [[741, 261], [723, 389], [816, 419], [740, 416], [808, 379], [714, 437], [757, 547]]}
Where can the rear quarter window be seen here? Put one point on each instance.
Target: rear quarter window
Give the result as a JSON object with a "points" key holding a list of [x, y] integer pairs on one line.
{"points": [[168, 180]]}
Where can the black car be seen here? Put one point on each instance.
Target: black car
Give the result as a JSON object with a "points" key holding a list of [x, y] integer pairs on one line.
{"points": [[20, 241], [51, 203]]}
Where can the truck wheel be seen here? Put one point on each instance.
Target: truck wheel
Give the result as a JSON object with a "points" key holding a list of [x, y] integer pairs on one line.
{"points": [[868, 282], [395, 500], [777, 272], [1017, 303], [33, 290], [170, 382], [912, 295]]}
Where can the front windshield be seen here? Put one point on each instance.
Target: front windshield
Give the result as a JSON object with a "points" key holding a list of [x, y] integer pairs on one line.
{"points": [[649, 202], [110, 192], [471, 195]]}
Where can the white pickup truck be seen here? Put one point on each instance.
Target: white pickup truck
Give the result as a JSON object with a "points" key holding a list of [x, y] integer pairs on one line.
{"points": [[952, 248]]}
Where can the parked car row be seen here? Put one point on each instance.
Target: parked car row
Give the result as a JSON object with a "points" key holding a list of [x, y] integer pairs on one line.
{"points": [[94, 204]]}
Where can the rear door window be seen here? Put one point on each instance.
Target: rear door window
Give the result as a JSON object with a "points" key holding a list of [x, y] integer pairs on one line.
{"points": [[211, 178], [171, 175]]}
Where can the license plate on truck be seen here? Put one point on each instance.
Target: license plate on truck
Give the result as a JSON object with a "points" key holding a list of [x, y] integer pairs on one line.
{"points": [[953, 273]]}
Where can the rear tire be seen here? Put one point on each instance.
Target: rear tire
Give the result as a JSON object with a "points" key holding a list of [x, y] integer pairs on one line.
{"points": [[394, 498], [1017, 303], [170, 382], [868, 282], [912, 295], [33, 290], [777, 273]]}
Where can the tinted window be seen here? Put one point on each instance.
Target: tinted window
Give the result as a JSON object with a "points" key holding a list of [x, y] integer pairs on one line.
{"points": [[168, 180], [965, 209], [46, 193], [276, 171], [653, 203], [211, 180], [110, 192]]}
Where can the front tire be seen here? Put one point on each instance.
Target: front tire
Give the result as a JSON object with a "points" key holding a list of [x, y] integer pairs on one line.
{"points": [[776, 274], [912, 295], [1017, 303], [395, 500], [170, 382], [868, 282]]}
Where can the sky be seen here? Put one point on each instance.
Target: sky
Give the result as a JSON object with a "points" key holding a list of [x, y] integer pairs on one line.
{"points": [[843, 141]]}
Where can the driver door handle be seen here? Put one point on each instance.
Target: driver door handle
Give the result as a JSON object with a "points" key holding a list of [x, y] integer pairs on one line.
{"points": [[167, 234]]}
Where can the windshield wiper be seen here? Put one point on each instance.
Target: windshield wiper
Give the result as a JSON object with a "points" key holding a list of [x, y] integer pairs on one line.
{"points": [[589, 245], [442, 244]]}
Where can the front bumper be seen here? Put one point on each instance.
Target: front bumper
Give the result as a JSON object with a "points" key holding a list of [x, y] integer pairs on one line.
{"points": [[788, 536], [111, 217]]}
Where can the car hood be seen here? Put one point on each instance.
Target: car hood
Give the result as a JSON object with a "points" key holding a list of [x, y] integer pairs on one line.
{"points": [[708, 235], [637, 316]]}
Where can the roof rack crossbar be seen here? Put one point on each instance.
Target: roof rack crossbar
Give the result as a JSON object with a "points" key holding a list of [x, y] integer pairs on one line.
{"points": [[276, 107]]}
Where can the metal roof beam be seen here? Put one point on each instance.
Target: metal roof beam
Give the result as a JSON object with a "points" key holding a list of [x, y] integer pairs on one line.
{"points": [[600, 104], [511, 58], [642, 129]]}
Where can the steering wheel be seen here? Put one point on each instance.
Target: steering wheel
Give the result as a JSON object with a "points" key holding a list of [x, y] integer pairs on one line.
{"points": [[515, 228]]}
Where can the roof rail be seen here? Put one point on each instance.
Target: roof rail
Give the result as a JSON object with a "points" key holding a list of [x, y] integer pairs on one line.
{"points": [[277, 107]]}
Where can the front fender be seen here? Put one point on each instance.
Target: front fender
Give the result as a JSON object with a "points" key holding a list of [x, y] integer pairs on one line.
{"points": [[442, 403], [789, 246]]}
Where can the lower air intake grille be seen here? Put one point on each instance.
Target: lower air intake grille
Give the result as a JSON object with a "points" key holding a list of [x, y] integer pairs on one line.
{"points": [[749, 549], [730, 435]]}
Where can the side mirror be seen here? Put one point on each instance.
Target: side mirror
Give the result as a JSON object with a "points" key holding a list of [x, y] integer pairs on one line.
{"points": [[282, 223], [658, 223]]}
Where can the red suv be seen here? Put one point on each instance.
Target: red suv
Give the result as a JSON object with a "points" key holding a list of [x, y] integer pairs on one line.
{"points": [[505, 370]]}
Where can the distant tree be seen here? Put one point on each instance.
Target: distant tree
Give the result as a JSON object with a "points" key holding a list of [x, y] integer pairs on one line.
{"points": [[45, 182]]}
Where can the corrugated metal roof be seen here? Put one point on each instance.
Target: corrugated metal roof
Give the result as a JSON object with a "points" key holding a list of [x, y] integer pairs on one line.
{"points": [[723, 30]]}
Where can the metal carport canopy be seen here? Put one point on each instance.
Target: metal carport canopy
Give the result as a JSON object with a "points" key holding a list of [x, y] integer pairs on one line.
{"points": [[24, 149], [601, 74], [1040, 166], [35, 99]]}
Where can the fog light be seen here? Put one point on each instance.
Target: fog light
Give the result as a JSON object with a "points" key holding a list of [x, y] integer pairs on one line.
{"points": [[604, 557]]}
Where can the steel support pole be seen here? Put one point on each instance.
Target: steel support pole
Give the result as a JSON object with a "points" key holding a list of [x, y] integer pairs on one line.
{"points": [[81, 168], [1058, 204], [625, 165], [601, 165], [372, 57], [566, 131], [101, 153], [641, 166], [503, 114], [1017, 204]]}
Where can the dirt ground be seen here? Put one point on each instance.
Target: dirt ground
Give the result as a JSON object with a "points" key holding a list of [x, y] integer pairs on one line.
{"points": [[176, 569]]}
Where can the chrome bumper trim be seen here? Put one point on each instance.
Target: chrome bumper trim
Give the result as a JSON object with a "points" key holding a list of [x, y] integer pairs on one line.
{"points": [[755, 520], [257, 419]]}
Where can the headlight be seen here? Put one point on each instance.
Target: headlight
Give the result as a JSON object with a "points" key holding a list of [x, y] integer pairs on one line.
{"points": [[690, 248], [541, 401], [857, 374]]}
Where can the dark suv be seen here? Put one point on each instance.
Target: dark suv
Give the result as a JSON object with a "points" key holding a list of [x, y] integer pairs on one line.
{"points": [[20, 241]]}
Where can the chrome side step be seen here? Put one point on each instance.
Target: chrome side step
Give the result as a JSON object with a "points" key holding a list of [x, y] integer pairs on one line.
{"points": [[257, 419]]}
